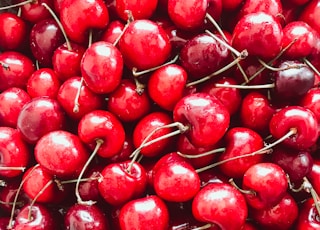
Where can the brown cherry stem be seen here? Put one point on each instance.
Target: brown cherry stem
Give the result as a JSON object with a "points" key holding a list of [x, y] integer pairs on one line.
{"points": [[219, 150], [265, 150], [76, 106], [13, 168], [275, 69], [45, 5], [309, 188], [99, 142], [90, 38], [17, 4], [5, 65], [139, 86], [247, 192], [130, 19], [137, 73], [265, 86], [206, 226], [311, 66]]}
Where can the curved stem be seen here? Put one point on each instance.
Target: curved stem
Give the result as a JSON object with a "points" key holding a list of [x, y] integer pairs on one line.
{"points": [[17, 5], [247, 192], [309, 188], [265, 86], [99, 142], [76, 99], [189, 156], [275, 69], [130, 19]]}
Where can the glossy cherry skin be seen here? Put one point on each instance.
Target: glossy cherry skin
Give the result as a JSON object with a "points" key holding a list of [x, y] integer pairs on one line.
{"points": [[41, 219], [86, 217], [240, 141], [113, 31], [43, 82], [119, 186], [13, 31], [166, 85], [313, 175], [40, 116], [138, 8], [103, 125], [299, 118], [35, 11], [144, 45], [308, 216], [310, 13], [217, 203], [282, 216], [203, 55], [88, 100], [102, 67], [45, 37], [144, 213], [12, 101], [261, 179], [176, 182], [14, 151], [259, 33], [66, 62], [201, 112], [272, 7], [67, 154], [78, 17], [127, 104], [19, 69], [311, 100]]}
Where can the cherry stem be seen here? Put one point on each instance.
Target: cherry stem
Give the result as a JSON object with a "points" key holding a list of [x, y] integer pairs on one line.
{"points": [[265, 86], [207, 226], [265, 150], [45, 5], [189, 156], [98, 177], [17, 5], [135, 72], [309, 188], [12, 168], [296, 66], [5, 65], [37, 196], [311, 66], [90, 37], [181, 129], [37, 65], [99, 142], [10, 225], [139, 86], [19, 12], [247, 192], [130, 19], [76, 106]]}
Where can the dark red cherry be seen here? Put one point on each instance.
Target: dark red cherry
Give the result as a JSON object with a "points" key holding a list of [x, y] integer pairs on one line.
{"points": [[311, 100], [140, 9], [35, 11], [310, 14], [308, 216], [272, 7]]}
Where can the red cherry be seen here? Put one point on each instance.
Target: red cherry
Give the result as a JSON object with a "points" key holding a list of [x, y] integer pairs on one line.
{"points": [[310, 14], [311, 100], [78, 17], [12, 101], [144, 45], [35, 11], [201, 112], [67, 154], [230, 5], [299, 119], [272, 7], [308, 216], [102, 125], [260, 180], [113, 31], [43, 82], [101, 67], [40, 116], [144, 213], [217, 203], [138, 8]]}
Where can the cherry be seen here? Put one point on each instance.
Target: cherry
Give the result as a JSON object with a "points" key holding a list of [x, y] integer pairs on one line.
{"points": [[166, 85], [94, 15], [43, 82], [128, 104], [102, 125], [144, 213], [15, 153], [13, 31], [214, 9], [230, 5], [139, 9], [259, 33], [40, 116], [260, 180], [217, 203], [34, 11], [102, 67], [201, 112], [113, 32], [240, 141], [281, 216], [67, 154], [313, 175], [300, 121], [45, 38], [85, 217], [311, 101], [12, 101], [203, 55], [15, 69], [308, 216], [144, 45], [310, 14], [272, 7]]}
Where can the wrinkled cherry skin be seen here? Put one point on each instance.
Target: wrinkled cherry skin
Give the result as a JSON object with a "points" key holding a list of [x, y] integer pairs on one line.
{"points": [[102, 67], [144, 45], [220, 204], [13, 31], [140, 9], [14, 151], [299, 118], [259, 33], [126, 103], [20, 68], [144, 214], [101, 124], [188, 15], [80, 216], [67, 154], [77, 17], [12, 101], [308, 216], [207, 118]]}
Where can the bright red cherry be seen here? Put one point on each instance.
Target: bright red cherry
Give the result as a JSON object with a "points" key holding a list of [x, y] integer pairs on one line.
{"points": [[308, 216], [140, 9], [311, 100], [34, 11], [310, 14], [113, 31], [272, 7]]}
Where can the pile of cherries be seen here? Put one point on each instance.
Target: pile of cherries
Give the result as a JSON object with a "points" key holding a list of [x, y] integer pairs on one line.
{"points": [[160, 114]]}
